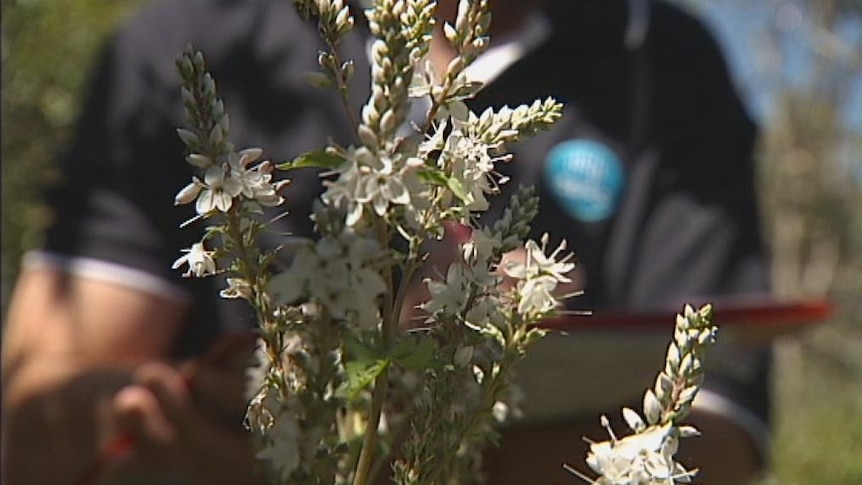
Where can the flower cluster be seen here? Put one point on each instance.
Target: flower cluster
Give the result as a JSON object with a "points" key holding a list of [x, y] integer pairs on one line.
{"points": [[227, 173], [341, 275], [224, 181], [646, 457], [333, 344], [376, 181], [538, 276], [344, 374], [643, 458], [231, 184]]}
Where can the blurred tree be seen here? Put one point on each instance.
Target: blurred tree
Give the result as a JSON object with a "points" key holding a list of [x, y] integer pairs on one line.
{"points": [[799, 62], [48, 47], [812, 194], [813, 163]]}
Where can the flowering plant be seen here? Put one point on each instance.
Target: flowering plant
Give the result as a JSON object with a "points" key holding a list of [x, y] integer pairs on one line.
{"points": [[344, 387], [646, 456]]}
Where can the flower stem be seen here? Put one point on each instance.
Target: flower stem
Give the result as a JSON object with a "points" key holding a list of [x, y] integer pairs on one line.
{"points": [[369, 442], [341, 84], [388, 329]]}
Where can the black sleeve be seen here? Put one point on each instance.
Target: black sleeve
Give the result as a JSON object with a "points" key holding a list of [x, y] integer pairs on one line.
{"points": [[114, 202], [126, 164], [699, 234]]}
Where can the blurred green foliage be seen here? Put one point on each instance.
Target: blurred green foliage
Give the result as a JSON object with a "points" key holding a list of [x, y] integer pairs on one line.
{"points": [[812, 180], [818, 411], [47, 50]]}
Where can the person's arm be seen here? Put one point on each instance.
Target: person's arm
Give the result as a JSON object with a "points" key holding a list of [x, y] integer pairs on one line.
{"points": [[70, 344], [86, 362]]}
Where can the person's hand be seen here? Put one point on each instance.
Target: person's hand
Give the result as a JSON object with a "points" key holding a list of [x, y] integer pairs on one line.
{"points": [[185, 421]]}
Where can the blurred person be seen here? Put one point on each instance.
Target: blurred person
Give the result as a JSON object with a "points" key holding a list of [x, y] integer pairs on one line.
{"points": [[649, 176]]}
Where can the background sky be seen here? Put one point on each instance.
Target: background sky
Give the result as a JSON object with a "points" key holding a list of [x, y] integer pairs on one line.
{"points": [[777, 45], [773, 44]]}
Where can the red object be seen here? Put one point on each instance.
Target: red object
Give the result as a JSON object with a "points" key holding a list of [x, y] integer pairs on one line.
{"points": [[121, 447], [756, 318], [125, 445], [460, 233]]}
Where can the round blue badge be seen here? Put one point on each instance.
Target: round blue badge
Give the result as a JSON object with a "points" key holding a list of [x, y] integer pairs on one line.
{"points": [[586, 178]]}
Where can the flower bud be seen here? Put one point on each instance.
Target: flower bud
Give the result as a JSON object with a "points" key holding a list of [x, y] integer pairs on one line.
{"points": [[249, 155], [387, 122], [209, 85], [188, 193], [216, 136], [188, 137], [343, 18], [198, 60], [457, 64], [198, 160], [347, 69], [367, 136]]}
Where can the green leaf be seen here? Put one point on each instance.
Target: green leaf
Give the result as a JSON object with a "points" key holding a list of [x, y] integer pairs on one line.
{"points": [[432, 176], [457, 189], [361, 375], [360, 351], [414, 353], [314, 159]]}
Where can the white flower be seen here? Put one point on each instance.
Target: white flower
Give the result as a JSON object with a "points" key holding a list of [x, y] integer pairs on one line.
{"points": [[289, 286], [236, 288], [537, 295], [369, 180], [223, 182], [500, 411], [281, 444], [481, 246], [190, 192], [382, 187], [426, 82], [200, 261], [485, 315], [339, 274], [219, 190], [256, 182], [539, 276], [469, 161], [536, 263], [449, 296], [642, 458]]}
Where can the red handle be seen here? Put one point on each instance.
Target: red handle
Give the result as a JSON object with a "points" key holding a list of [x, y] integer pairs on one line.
{"points": [[125, 444]]}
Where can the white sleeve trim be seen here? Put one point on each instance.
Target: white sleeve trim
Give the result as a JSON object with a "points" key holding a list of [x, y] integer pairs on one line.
{"points": [[104, 271], [503, 52]]}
